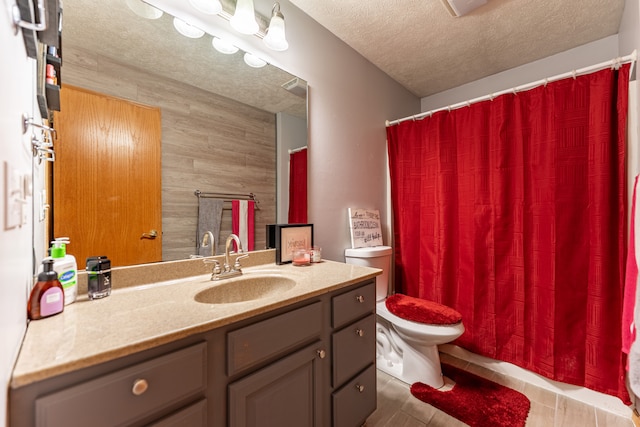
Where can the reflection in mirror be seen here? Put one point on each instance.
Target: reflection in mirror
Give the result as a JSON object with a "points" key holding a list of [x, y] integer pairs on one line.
{"points": [[222, 123]]}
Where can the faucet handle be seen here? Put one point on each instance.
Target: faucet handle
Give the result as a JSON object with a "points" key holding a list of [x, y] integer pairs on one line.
{"points": [[236, 264], [216, 267]]}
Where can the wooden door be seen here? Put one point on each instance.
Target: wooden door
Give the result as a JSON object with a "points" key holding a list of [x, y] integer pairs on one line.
{"points": [[107, 178]]}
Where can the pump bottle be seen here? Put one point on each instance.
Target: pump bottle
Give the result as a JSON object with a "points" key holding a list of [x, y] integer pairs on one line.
{"points": [[47, 296], [66, 267]]}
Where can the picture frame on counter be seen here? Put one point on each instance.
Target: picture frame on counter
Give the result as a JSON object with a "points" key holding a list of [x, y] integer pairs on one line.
{"points": [[288, 237]]}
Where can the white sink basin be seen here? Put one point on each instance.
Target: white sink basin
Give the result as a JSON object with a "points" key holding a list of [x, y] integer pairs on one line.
{"points": [[245, 288]]}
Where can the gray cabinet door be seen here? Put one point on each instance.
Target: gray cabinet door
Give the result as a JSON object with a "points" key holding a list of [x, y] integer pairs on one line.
{"points": [[285, 393]]}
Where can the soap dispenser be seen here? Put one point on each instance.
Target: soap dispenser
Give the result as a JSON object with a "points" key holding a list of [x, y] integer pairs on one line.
{"points": [[47, 296], [66, 267]]}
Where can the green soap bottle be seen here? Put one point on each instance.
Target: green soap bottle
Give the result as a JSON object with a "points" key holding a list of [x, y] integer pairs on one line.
{"points": [[66, 267]]}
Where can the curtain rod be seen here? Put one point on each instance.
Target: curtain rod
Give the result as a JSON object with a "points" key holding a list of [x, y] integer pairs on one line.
{"points": [[295, 150], [611, 63]]}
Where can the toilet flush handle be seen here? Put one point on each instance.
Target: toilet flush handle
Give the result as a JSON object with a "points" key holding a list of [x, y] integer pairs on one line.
{"points": [[360, 298]]}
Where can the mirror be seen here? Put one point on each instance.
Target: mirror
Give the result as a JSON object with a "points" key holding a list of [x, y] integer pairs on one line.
{"points": [[222, 121]]}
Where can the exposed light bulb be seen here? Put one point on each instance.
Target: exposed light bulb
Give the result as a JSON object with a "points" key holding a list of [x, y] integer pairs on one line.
{"points": [[244, 18], [209, 7], [223, 46], [186, 29], [276, 38], [253, 61]]}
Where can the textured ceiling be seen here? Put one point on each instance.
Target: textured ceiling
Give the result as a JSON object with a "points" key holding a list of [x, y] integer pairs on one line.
{"points": [[419, 44], [416, 42]]}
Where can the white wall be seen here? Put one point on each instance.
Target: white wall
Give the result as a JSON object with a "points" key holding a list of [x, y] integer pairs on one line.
{"points": [[629, 33], [16, 86], [580, 57], [629, 39]]}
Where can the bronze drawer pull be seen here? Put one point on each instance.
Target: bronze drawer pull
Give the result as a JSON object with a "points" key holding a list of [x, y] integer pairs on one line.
{"points": [[360, 387], [139, 387], [360, 332], [360, 298], [321, 354]]}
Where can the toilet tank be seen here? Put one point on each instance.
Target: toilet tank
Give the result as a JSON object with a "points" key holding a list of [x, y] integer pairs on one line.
{"points": [[376, 257]]}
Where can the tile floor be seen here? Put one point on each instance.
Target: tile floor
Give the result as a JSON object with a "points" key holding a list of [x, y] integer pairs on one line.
{"points": [[398, 408]]}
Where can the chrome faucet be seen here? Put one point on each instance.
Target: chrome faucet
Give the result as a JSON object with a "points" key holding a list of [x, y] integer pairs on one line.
{"points": [[228, 270], [227, 248], [208, 237]]}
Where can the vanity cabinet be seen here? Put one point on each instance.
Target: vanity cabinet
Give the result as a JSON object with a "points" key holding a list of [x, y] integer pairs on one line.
{"points": [[311, 363]]}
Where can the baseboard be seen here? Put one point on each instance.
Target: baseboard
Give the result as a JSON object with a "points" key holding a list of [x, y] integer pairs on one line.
{"points": [[585, 395]]}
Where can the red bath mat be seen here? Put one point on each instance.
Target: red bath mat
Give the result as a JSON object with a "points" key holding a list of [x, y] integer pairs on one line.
{"points": [[476, 401]]}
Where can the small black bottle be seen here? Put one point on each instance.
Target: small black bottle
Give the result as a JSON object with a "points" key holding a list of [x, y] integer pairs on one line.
{"points": [[98, 277]]}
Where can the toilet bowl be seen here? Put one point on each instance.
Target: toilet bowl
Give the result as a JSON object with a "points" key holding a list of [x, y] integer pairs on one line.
{"points": [[406, 349]]}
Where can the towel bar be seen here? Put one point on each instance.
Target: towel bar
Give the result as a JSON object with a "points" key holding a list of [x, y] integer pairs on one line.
{"points": [[228, 197]]}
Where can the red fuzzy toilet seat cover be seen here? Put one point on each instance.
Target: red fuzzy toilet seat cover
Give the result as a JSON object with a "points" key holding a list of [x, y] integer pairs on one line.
{"points": [[422, 311]]}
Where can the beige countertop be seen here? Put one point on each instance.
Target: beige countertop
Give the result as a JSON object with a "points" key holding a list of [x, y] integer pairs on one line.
{"points": [[136, 318]]}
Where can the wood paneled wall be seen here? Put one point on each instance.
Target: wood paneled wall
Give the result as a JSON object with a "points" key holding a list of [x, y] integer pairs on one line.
{"points": [[209, 143]]}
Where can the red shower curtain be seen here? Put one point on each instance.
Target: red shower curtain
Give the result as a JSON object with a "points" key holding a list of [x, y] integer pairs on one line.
{"points": [[298, 187], [512, 211]]}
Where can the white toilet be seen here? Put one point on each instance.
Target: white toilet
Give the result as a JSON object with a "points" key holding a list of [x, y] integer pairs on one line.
{"points": [[406, 349]]}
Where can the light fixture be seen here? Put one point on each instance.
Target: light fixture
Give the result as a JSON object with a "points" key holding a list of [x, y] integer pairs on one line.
{"points": [[223, 46], [186, 29], [208, 7], [144, 10], [276, 38], [253, 61], [244, 18]]}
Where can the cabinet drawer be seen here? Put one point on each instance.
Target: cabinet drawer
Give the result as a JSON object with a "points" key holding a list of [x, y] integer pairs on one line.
{"points": [[191, 416], [353, 304], [356, 400], [110, 400], [261, 341], [353, 347]]}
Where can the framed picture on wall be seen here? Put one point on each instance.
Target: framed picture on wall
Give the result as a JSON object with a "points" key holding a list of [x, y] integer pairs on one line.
{"points": [[289, 237]]}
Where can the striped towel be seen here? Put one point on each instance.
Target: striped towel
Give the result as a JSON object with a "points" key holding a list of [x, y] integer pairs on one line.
{"points": [[242, 222]]}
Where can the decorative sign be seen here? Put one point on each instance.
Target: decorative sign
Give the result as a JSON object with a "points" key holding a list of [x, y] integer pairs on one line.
{"points": [[365, 228], [289, 237]]}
